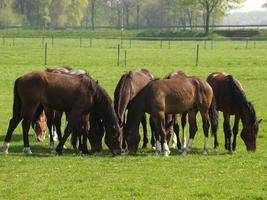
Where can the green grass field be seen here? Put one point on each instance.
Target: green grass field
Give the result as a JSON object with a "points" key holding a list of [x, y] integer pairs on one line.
{"points": [[218, 175]]}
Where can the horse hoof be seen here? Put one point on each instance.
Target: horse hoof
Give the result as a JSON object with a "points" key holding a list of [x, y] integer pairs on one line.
{"points": [[5, 147], [27, 151], [166, 153], [184, 153], [157, 153], [205, 152]]}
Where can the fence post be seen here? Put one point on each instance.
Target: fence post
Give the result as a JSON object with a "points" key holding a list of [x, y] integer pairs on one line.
{"points": [[46, 53], [42, 42], [118, 59], [125, 57], [121, 40], [197, 57]]}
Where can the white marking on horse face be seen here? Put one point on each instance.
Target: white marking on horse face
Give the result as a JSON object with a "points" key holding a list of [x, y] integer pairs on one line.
{"points": [[5, 147], [27, 151]]}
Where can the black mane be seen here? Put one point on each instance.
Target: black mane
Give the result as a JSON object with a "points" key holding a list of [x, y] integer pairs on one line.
{"points": [[240, 99]]}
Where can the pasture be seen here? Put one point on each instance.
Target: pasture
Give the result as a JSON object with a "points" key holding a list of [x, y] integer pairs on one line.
{"points": [[218, 175]]}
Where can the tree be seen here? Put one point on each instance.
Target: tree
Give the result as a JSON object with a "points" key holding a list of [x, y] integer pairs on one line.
{"points": [[208, 7], [57, 11], [75, 12]]}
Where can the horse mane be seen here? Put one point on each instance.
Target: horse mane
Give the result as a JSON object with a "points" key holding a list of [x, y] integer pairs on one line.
{"points": [[104, 105], [240, 99], [123, 81]]}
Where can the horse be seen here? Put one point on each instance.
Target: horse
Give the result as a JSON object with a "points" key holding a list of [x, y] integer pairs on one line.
{"points": [[231, 100], [82, 129], [127, 88], [40, 127], [171, 96], [171, 121], [76, 95]]}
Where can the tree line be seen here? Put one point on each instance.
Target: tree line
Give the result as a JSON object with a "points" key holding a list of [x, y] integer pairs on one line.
{"points": [[126, 14]]}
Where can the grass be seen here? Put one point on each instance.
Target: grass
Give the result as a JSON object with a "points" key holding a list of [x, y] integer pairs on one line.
{"points": [[219, 175]]}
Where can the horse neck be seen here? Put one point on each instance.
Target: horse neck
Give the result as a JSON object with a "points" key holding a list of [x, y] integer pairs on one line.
{"points": [[136, 111], [122, 97], [247, 115], [104, 109]]}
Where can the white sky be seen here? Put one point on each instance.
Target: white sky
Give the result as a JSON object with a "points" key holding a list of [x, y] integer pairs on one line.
{"points": [[251, 5]]}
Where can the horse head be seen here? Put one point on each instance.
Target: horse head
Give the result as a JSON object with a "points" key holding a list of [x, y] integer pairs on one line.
{"points": [[40, 128]]}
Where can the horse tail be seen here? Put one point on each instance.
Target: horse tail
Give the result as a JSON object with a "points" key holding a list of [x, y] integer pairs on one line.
{"points": [[213, 115], [17, 100]]}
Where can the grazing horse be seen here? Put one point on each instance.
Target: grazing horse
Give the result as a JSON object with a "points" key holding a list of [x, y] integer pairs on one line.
{"points": [[171, 96], [76, 95], [40, 127], [231, 100], [82, 129], [171, 121], [127, 88]]}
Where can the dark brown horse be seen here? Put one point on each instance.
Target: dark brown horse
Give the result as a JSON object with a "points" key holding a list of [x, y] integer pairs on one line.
{"points": [[82, 129], [171, 96], [127, 88], [76, 95], [231, 100]]}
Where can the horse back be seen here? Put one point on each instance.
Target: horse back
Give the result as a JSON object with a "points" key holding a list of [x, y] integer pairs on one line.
{"points": [[225, 88]]}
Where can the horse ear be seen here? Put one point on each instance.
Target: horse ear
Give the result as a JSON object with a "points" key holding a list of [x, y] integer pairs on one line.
{"points": [[259, 121]]}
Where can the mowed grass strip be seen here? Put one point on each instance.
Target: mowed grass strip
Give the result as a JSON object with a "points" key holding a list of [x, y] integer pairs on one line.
{"points": [[218, 175]]}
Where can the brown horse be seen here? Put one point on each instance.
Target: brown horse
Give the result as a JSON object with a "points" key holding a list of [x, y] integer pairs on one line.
{"points": [[40, 127], [231, 100], [76, 95], [171, 96], [127, 88], [82, 129], [171, 121]]}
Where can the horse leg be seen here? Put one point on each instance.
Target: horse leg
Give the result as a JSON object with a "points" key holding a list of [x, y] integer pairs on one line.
{"points": [[13, 123], [235, 131], [176, 138], [206, 126], [26, 123], [161, 131], [72, 121], [152, 127], [192, 130], [58, 117], [227, 132], [49, 118], [124, 145], [143, 121], [183, 122]]}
